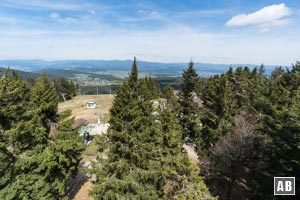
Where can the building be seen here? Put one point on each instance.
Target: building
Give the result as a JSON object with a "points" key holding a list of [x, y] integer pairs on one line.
{"points": [[91, 104]]}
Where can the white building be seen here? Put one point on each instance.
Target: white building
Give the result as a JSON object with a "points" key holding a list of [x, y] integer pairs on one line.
{"points": [[91, 104]]}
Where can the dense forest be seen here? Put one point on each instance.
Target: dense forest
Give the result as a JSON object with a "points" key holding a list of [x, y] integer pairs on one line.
{"points": [[246, 129], [243, 124], [37, 159]]}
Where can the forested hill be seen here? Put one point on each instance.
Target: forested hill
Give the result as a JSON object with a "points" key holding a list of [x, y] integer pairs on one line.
{"points": [[112, 66], [23, 74]]}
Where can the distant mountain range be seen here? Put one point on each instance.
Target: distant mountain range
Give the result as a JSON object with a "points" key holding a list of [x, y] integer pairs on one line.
{"points": [[115, 68]]}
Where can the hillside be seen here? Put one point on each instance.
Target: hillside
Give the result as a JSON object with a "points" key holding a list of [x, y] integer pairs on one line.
{"points": [[25, 75]]}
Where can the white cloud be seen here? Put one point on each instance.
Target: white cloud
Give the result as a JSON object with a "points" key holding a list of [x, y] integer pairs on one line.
{"points": [[54, 15], [270, 15]]}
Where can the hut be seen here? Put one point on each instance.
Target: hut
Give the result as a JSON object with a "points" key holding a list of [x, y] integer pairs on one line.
{"points": [[91, 104]]}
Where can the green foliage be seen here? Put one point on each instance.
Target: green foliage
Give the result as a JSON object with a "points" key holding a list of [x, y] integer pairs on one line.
{"points": [[34, 166], [66, 87], [279, 116], [27, 187], [101, 142], [170, 96], [14, 98], [149, 88], [180, 178], [189, 112], [228, 95], [44, 99], [274, 101], [145, 158]]}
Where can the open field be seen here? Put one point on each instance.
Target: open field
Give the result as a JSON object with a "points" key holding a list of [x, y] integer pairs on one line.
{"points": [[79, 110]]}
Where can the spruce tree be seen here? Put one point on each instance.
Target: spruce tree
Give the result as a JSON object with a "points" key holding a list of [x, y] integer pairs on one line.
{"points": [[190, 112], [131, 171], [44, 99]]}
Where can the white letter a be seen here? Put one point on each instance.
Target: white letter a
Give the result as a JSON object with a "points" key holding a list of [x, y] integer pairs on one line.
{"points": [[280, 186]]}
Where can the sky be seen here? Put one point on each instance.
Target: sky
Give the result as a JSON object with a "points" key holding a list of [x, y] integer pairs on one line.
{"points": [[208, 31]]}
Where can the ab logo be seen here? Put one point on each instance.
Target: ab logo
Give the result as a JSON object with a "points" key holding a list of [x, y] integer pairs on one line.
{"points": [[284, 185]]}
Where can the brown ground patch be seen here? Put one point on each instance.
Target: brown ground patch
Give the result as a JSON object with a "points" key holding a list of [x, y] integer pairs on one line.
{"points": [[79, 110]]}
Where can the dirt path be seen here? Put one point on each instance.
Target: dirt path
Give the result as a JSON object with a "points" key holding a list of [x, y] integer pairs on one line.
{"points": [[192, 154]]}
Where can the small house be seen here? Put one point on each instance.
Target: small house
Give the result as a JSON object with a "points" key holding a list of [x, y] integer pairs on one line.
{"points": [[91, 104]]}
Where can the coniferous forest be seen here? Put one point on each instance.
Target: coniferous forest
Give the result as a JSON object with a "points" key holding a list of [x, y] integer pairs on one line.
{"points": [[244, 126]]}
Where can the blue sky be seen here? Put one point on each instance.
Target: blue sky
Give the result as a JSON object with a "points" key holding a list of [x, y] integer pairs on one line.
{"points": [[214, 31]]}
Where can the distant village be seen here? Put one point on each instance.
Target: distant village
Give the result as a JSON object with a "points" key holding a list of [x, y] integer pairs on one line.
{"points": [[93, 82]]}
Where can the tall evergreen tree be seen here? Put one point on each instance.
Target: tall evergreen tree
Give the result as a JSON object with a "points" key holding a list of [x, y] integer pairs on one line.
{"points": [[44, 99], [131, 170], [189, 114]]}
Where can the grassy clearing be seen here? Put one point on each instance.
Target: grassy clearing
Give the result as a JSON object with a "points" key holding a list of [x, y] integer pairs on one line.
{"points": [[79, 110]]}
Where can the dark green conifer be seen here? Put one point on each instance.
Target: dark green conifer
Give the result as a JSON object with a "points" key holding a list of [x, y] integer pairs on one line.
{"points": [[190, 103], [44, 99]]}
